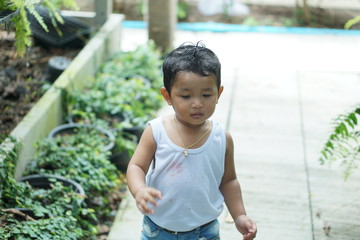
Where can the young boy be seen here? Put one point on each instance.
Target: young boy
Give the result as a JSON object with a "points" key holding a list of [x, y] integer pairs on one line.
{"points": [[183, 168]]}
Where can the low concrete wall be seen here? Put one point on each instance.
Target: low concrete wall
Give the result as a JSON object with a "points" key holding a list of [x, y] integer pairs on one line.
{"points": [[325, 4], [47, 113]]}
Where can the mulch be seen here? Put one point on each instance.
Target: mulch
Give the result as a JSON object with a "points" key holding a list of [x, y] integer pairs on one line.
{"points": [[23, 80]]}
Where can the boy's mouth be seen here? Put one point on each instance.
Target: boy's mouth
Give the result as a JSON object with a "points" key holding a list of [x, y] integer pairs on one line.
{"points": [[197, 115]]}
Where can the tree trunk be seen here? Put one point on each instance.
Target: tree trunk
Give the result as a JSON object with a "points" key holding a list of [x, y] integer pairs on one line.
{"points": [[306, 12], [162, 22]]}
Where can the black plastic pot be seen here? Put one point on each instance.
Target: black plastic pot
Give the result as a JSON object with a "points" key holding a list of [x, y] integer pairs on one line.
{"points": [[120, 157], [112, 119], [74, 33], [56, 66], [72, 127], [120, 160], [136, 131], [6, 16], [44, 182]]}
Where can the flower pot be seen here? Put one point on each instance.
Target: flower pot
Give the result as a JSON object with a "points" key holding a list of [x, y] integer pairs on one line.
{"points": [[73, 128], [56, 66], [44, 182], [74, 33], [87, 118], [125, 144], [6, 16], [136, 131], [120, 160]]}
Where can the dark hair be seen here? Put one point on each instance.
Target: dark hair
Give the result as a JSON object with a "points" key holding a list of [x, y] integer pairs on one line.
{"points": [[191, 58]]}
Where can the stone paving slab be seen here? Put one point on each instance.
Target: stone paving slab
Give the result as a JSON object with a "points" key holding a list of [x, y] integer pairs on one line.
{"points": [[281, 92]]}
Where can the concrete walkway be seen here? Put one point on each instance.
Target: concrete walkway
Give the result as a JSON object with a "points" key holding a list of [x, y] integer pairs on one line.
{"points": [[281, 92]]}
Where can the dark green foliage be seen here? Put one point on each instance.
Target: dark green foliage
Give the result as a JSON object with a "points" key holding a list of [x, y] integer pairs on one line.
{"points": [[59, 228], [126, 92], [85, 163], [129, 93], [57, 209], [127, 85]]}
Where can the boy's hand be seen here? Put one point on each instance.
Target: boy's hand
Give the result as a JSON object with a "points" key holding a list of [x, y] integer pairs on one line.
{"points": [[145, 195], [246, 226]]}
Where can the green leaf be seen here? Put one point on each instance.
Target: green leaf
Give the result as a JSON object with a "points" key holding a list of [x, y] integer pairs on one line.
{"points": [[352, 22]]}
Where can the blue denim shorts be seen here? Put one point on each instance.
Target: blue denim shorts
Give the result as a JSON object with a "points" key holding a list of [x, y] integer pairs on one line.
{"points": [[151, 231]]}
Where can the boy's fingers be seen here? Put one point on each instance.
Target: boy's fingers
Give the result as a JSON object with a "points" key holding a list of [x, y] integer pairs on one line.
{"points": [[144, 208], [146, 196], [155, 193]]}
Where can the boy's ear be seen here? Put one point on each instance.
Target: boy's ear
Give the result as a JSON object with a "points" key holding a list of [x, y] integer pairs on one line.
{"points": [[166, 95], [221, 89]]}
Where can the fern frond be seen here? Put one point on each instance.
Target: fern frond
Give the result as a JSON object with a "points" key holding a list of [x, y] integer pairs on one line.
{"points": [[31, 9], [22, 24], [22, 32], [343, 144], [53, 11]]}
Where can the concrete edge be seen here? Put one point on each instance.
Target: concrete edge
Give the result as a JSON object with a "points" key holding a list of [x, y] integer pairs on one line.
{"points": [[124, 205]]}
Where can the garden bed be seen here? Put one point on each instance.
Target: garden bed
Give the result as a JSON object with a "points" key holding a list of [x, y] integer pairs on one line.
{"points": [[97, 83], [23, 80], [47, 112]]}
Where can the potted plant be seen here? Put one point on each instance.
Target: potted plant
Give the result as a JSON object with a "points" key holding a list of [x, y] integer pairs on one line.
{"points": [[101, 137], [33, 213], [46, 181], [55, 206], [86, 164], [124, 148]]}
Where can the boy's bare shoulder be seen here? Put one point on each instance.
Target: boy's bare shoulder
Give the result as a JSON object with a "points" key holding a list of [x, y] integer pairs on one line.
{"points": [[229, 141]]}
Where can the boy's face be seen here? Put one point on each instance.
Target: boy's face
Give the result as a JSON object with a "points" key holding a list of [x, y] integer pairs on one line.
{"points": [[193, 97]]}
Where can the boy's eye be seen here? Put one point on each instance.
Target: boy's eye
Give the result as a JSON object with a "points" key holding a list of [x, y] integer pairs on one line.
{"points": [[186, 96], [207, 95]]}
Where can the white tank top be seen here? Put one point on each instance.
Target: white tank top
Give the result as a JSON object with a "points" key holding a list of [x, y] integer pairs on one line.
{"points": [[189, 185]]}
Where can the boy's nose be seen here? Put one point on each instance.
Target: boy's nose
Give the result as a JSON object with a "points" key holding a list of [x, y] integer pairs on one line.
{"points": [[197, 103]]}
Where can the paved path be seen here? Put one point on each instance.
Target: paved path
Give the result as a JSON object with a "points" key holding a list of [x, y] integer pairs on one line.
{"points": [[281, 92]]}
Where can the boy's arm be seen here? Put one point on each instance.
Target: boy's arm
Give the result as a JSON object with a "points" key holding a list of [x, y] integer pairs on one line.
{"points": [[137, 169], [230, 188]]}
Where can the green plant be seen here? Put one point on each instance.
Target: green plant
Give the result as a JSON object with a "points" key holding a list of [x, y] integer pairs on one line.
{"points": [[127, 86], [21, 22], [8, 185], [60, 228], [90, 135], [343, 144], [86, 164], [303, 13], [144, 61], [352, 22], [126, 142], [48, 206], [181, 10]]}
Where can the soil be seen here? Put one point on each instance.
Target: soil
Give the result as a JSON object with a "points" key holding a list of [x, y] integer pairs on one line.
{"points": [[23, 80]]}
